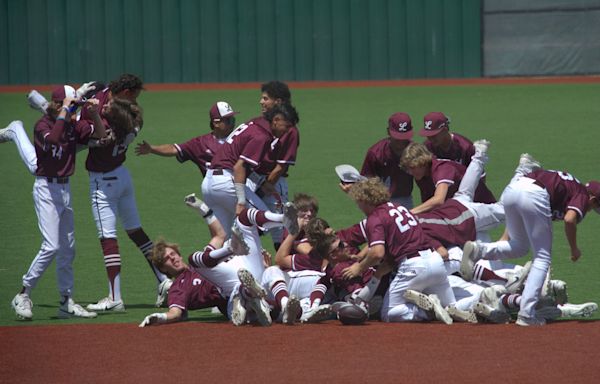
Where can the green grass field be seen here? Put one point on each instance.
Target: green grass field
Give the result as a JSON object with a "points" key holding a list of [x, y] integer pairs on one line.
{"points": [[555, 123]]}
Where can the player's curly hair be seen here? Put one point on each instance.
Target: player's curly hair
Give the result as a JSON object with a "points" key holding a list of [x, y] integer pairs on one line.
{"points": [[371, 191], [318, 237], [159, 250], [277, 90], [415, 155], [287, 110], [126, 81], [124, 117], [304, 202]]}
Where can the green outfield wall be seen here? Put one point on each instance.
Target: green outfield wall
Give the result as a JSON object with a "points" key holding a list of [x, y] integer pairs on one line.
{"points": [[57, 41]]}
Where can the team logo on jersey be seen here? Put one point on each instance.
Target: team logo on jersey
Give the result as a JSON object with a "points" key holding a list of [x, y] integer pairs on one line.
{"points": [[196, 281]]}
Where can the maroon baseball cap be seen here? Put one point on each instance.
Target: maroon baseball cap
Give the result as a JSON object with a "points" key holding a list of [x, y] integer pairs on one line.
{"points": [[593, 187], [434, 122], [220, 110], [400, 126], [63, 91]]}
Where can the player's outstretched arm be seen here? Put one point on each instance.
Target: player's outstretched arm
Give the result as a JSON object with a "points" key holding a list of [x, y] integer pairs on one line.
{"points": [[174, 314], [570, 219], [438, 198], [144, 148]]}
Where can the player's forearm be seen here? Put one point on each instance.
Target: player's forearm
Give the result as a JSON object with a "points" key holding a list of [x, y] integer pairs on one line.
{"points": [[99, 128], [282, 258], [166, 150], [427, 206], [571, 234], [276, 173], [174, 314]]}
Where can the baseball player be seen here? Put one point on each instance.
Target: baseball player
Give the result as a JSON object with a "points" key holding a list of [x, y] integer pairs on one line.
{"points": [[443, 143], [393, 230], [200, 150], [383, 157], [531, 203], [112, 197], [224, 187], [269, 179], [56, 136], [437, 179]]}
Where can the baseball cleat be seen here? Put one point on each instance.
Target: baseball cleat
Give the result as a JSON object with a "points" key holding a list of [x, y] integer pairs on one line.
{"points": [[237, 244], [577, 310], [429, 303], [516, 280], [481, 148], [460, 315], [8, 133], [318, 313], [290, 218], [249, 284], [37, 101], [238, 312], [471, 253], [291, 311], [195, 203], [69, 309], [106, 305], [22, 305], [163, 291], [527, 164], [530, 321], [558, 290], [490, 314]]}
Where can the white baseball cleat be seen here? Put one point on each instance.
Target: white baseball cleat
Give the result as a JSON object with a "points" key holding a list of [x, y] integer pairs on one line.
{"points": [[481, 148], [107, 304], [558, 290], [430, 303], [527, 164], [577, 310], [254, 297], [22, 305], [530, 321], [291, 311], [37, 101], [460, 315], [238, 311], [516, 280], [69, 309], [8, 133], [318, 313], [290, 218], [163, 292], [471, 253], [195, 203], [237, 245]]}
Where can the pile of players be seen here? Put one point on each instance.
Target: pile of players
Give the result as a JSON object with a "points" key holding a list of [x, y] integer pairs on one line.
{"points": [[433, 261]]}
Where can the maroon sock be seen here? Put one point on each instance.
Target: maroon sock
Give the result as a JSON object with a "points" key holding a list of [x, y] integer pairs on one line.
{"points": [[511, 301], [145, 245], [253, 216], [484, 274]]}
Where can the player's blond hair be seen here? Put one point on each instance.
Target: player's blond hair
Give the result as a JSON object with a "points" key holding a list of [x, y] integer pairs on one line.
{"points": [[159, 251], [371, 191], [415, 155]]}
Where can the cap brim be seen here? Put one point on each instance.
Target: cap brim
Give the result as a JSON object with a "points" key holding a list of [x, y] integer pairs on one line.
{"points": [[400, 135], [429, 132], [348, 174]]}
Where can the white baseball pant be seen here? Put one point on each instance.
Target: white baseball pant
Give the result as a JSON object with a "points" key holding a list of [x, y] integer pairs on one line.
{"points": [[52, 204], [466, 293], [24, 147]]}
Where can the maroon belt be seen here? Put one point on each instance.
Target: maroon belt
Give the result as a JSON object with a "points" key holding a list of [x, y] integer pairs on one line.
{"points": [[58, 180], [217, 172]]}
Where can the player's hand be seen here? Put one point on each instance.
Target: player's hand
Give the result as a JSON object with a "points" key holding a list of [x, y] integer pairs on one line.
{"points": [[352, 271], [92, 106], [267, 258], [345, 187], [575, 254], [302, 221], [155, 318], [143, 148], [85, 88]]}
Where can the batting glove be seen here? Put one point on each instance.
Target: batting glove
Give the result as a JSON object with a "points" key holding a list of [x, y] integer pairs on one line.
{"points": [[155, 318], [85, 88]]}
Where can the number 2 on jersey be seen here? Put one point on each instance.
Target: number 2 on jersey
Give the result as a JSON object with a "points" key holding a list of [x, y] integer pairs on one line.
{"points": [[404, 219]]}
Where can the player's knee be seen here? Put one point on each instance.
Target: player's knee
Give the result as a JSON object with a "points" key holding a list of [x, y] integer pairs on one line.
{"points": [[399, 313]]}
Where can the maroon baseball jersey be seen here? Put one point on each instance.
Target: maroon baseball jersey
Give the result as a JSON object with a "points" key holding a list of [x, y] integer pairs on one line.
{"points": [[102, 97], [460, 150], [451, 223], [303, 262], [394, 227], [55, 145], [351, 285], [566, 192], [190, 291], [450, 172], [300, 239], [281, 151], [382, 162], [107, 155], [200, 150], [249, 142]]}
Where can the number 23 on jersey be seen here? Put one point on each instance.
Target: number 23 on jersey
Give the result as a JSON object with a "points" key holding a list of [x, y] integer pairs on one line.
{"points": [[404, 219]]}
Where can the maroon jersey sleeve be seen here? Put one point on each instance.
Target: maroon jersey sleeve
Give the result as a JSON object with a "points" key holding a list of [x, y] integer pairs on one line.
{"points": [[566, 192], [351, 285], [288, 147], [353, 236], [200, 150], [248, 142]]}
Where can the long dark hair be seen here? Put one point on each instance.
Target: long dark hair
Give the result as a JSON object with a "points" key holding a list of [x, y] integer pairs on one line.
{"points": [[124, 117]]}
